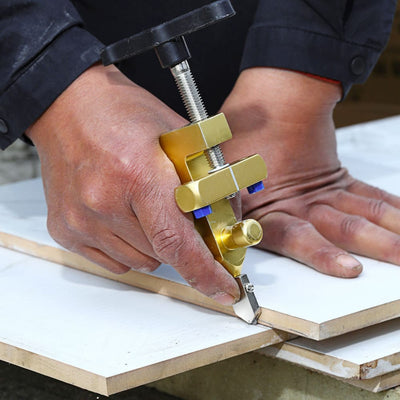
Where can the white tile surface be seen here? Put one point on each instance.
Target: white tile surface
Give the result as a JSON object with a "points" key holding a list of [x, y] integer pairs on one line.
{"points": [[104, 327], [282, 285]]}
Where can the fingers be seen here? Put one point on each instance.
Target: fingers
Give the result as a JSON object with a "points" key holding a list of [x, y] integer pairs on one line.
{"points": [[129, 230], [99, 258], [363, 189], [298, 239], [79, 237], [355, 234], [110, 263], [175, 240], [122, 252], [179, 245], [375, 209], [116, 255]]}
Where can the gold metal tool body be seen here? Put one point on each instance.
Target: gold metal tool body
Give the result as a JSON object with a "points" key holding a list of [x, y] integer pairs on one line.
{"points": [[226, 237], [208, 183]]}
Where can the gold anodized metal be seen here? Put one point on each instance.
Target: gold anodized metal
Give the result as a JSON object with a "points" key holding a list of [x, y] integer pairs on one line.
{"points": [[226, 237], [220, 184], [242, 234]]}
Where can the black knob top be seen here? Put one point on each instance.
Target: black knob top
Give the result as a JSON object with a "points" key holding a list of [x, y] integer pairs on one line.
{"points": [[167, 38]]}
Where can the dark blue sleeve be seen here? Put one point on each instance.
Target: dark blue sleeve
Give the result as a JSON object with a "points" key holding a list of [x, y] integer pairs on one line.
{"points": [[43, 49], [339, 39]]}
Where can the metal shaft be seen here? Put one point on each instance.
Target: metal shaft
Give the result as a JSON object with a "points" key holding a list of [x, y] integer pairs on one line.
{"points": [[195, 107], [188, 90]]}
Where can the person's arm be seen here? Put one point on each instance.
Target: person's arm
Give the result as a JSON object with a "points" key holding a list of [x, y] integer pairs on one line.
{"points": [[311, 210], [44, 48], [340, 40]]}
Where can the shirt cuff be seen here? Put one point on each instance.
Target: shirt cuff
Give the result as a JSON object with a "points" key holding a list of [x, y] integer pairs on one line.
{"points": [[44, 79], [310, 52]]}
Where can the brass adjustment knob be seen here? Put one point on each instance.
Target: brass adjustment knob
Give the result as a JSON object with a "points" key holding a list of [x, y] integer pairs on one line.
{"points": [[243, 234]]}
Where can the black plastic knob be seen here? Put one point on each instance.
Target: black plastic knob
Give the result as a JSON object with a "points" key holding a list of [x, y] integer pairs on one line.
{"points": [[167, 38]]}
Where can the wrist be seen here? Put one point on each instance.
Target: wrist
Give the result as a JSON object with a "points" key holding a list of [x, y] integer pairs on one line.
{"points": [[57, 112], [282, 105], [286, 117], [283, 93]]}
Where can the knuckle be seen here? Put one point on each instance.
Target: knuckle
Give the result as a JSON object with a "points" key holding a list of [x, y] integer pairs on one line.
{"points": [[339, 195], [322, 252], [297, 228], [322, 256], [73, 221], [293, 232], [141, 186], [377, 193], [61, 236], [168, 245], [92, 199], [67, 229], [350, 225], [377, 208]]}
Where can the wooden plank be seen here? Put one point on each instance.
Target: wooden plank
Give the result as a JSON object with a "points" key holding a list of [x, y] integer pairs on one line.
{"points": [[336, 368], [370, 153], [377, 384], [364, 354], [105, 336]]}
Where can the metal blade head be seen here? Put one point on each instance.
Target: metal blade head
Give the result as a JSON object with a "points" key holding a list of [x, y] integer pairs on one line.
{"points": [[247, 307]]}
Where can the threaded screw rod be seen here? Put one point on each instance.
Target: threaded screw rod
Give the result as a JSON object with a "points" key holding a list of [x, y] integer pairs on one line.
{"points": [[195, 107], [189, 92]]}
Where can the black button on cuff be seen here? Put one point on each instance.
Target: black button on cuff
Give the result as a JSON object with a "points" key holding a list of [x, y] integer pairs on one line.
{"points": [[357, 65], [3, 126]]}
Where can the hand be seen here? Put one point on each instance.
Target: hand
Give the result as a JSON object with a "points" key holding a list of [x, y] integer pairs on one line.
{"points": [[312, 210], [110, 187]]}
